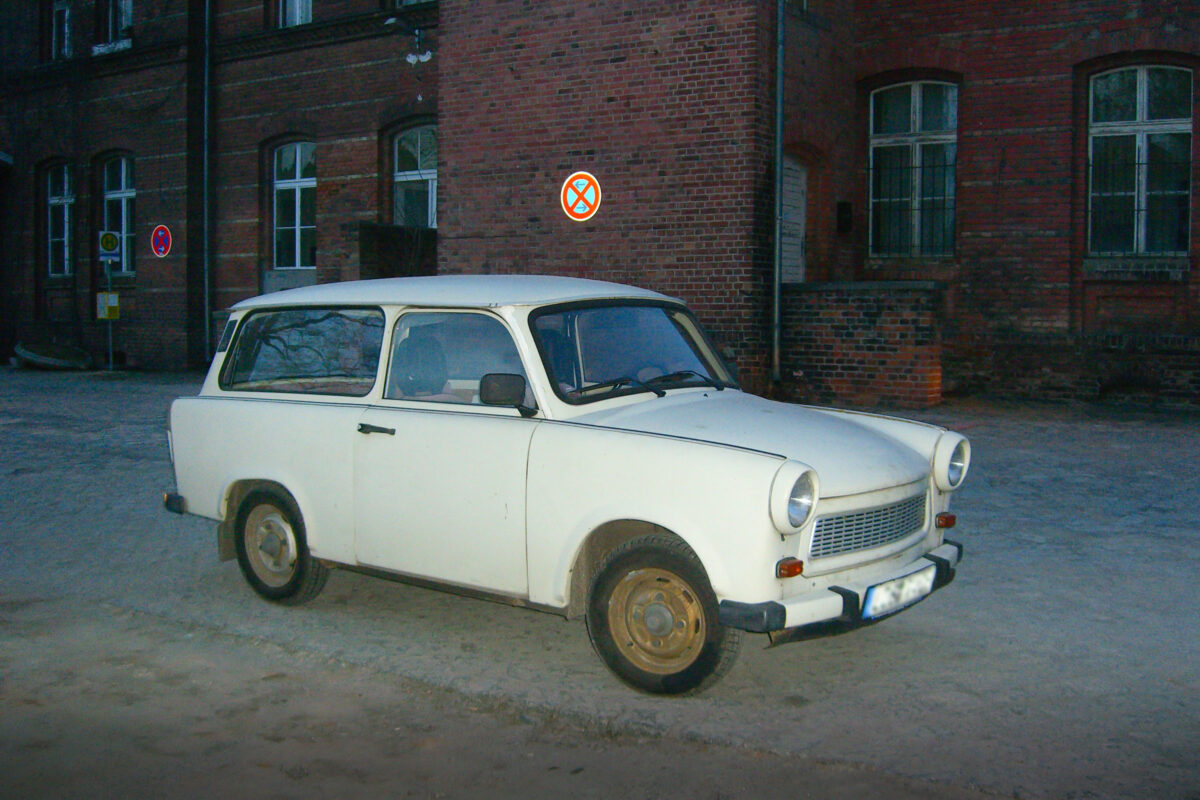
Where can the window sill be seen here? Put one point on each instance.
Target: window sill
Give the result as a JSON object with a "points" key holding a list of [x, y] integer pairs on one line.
{"points": [[1146, 269], [111, 47]]}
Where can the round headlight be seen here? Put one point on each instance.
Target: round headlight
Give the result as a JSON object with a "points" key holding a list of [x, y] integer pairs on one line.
{"points": [[801, 500], [957, 469], [951, 460], [795, 492]]}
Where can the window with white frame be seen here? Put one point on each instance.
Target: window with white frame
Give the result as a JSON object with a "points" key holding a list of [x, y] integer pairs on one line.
{"points": [[1139, 161], [414, 178], [117, 22], [60, 30], [294, 12], [295, 200], [60, 202], [914, 145], [119, 196]]}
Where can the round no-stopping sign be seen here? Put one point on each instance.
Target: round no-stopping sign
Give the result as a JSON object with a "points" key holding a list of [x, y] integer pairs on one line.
{"points": [[160, 241], [580, 196]]}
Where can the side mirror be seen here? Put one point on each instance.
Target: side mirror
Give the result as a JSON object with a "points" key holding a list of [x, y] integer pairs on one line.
{"points": [[503, 389]]}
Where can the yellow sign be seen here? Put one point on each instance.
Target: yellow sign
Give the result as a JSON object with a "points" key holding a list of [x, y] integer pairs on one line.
{"points": [[110, 246], [108, 305]]}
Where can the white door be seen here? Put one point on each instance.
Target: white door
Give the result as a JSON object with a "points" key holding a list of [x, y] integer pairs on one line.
{"points": [[439, 479]]}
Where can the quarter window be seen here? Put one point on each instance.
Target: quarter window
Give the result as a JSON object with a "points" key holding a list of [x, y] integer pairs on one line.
{"points": [[60, 200], [414, 178], [321, 351], [914, 135], [295, 200], [1140, 156], [118, 213]]}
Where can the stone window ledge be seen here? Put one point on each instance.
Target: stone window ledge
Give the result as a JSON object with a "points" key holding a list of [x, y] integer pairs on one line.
{"points": [[1173, 269]]}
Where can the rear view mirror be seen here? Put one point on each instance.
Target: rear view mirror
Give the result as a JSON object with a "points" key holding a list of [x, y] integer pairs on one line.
{"points": [[503, 389]]}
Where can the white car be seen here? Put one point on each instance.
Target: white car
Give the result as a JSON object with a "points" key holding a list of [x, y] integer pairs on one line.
{"points": [[567, 445]]}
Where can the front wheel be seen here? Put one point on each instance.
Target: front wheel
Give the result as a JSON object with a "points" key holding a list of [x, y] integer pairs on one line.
{"points": [[273, 552], [652, 618]]}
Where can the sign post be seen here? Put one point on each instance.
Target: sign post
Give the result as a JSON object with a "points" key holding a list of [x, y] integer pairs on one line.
{"points": [[108, 305]]}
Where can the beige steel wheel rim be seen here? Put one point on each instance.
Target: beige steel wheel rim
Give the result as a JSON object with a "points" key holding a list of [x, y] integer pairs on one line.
{"points": [[271, 546], [656, 620]]}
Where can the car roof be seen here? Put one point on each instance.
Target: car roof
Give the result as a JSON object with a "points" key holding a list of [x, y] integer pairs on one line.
{"points": [[453, 291]]}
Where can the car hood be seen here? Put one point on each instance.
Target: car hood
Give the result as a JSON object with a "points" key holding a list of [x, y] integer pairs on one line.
{"points": [[849, 457]]}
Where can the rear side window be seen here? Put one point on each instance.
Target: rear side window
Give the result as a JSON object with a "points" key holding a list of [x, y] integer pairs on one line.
{"points": [[325, 351]]}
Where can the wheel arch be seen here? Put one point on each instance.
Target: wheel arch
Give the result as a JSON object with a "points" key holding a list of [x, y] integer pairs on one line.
{"points": [[236, 494], [596, 547]]}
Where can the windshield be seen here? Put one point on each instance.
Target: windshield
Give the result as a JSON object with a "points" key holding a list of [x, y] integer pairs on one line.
{"points": [[594, 352]]}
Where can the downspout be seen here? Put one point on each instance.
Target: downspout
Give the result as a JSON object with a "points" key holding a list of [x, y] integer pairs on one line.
{"points": [[206, 238], [777, 282]]}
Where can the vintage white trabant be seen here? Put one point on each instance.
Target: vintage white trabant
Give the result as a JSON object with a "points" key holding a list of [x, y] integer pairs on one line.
{"points": [[568, 445]]}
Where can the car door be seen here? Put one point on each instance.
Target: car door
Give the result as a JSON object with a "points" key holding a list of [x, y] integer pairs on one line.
{"points": [[439, 478]]}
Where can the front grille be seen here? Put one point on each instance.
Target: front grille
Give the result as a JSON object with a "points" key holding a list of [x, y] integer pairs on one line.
{"points": [[862, 530]]}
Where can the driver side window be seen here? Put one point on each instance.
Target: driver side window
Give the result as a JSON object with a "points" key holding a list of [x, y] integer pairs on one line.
{"points": [[440, 357]]}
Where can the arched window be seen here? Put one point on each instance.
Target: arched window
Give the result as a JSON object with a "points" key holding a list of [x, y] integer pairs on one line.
{"points": [[914, 142], [118, 212], [60, 204], [294, 192], [414, 178], [1139, 161]]}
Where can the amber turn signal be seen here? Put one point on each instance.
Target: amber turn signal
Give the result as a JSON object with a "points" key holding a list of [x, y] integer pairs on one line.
{"points": [[946, 520], [789, 568]]}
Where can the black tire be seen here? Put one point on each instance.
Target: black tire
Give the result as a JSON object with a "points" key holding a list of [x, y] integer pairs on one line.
{"points": [[652, 618], [272, 550]]}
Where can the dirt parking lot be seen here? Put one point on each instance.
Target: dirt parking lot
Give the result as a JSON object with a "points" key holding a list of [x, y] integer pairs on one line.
{"points": [[1061, 663]]}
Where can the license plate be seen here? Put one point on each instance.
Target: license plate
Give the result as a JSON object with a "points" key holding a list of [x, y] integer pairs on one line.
{"points": [[893, 595]]}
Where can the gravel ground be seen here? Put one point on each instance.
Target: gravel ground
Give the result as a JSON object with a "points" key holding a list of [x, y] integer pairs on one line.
{"points": [[1061, 663]]}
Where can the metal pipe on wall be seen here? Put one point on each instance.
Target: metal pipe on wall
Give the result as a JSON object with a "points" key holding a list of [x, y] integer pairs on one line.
{"points": [[777, 282]]}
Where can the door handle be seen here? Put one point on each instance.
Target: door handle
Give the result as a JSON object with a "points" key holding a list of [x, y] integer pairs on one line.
{"points": [[363, 427]]}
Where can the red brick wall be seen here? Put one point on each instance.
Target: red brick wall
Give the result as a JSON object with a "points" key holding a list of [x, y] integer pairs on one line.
{"points": [[342, 83], [80, 111], [1023, 72], [661, 100], [863, 344]]}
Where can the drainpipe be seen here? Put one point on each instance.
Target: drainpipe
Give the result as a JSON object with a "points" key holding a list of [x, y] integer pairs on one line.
{"points": [[777, 283], [206, 239]]}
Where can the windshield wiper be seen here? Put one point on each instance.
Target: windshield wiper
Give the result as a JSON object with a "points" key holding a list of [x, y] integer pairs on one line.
{"points": [[617, 383], [688, 373]]}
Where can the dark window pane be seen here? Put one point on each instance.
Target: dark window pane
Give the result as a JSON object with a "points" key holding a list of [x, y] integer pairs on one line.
{"points": [[411, 204], [937, 227], [285, 248], [1169, 93], [429, 148], [892, 110], [285, 208], [1114, 164], [308, 247], [939, 107], [112, 175], [307, 154], [58, 222], [285, 163], [1114, 96], [407, 146], [1113, 220], [891, 172], [1169, 162], [1167, 223], [308, 206]]}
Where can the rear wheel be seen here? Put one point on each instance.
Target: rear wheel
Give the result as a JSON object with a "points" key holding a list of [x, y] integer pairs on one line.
{"points": [[652, 618], [273, 552]]}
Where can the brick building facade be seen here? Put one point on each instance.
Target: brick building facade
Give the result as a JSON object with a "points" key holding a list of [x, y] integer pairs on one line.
{"points": [[997, 197]]}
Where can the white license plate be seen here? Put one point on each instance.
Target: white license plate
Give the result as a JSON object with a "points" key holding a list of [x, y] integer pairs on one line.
{"points": [[893, 595]]}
